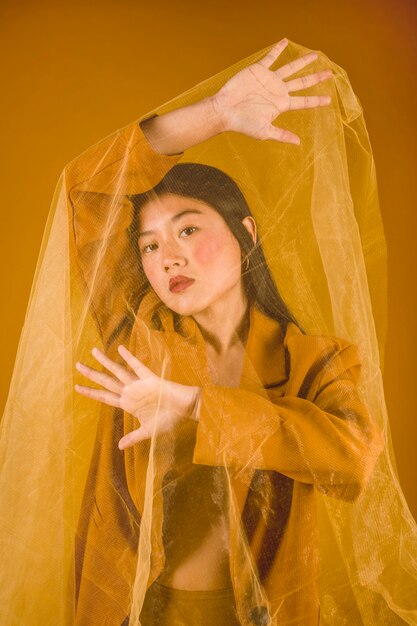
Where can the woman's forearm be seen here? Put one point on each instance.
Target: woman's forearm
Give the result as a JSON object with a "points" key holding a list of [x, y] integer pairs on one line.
{"points": [[183, 128], [247, 103]]}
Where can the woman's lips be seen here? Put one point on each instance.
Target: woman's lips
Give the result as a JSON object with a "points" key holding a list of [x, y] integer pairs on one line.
{"points": [[179, 283]]}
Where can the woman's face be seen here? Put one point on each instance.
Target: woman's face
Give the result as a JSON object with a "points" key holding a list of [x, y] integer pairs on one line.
{"points": [[189, 255]]}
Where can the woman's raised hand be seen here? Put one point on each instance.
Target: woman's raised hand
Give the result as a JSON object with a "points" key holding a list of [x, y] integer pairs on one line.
{"points": [[248, 103], [254, 97], [158, 404]]}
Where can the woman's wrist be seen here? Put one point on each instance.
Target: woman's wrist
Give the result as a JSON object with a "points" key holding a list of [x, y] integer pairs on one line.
{"points": [[176, 131], [194, 406]]}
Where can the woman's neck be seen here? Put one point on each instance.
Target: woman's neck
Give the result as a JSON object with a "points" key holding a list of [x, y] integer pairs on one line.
{"points": [[225, 323]]}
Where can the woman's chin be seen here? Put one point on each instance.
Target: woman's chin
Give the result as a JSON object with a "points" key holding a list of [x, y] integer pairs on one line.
{"points": [[184, 310], [184, 306]]}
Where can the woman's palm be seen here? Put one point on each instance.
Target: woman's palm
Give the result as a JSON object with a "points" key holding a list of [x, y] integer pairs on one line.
{"points": [[254, 97]]}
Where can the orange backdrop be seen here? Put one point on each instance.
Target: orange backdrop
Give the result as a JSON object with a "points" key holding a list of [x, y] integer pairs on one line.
{"points": [[73, 72]]}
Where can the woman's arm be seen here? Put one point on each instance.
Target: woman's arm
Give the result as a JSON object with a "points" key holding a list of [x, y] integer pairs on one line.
{"points": [[248, 103], [133, 160], [327, 438], [100, 214]]}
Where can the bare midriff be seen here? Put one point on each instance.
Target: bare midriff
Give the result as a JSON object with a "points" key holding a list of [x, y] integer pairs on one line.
{"points": [[198, 558], [207, 568]]}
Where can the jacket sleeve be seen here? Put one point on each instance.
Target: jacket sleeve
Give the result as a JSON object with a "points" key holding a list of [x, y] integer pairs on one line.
{"points": [[99, 185], [326, 438]]}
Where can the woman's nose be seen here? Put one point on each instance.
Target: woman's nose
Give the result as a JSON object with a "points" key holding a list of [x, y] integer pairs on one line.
{"points": [[172, 257]]}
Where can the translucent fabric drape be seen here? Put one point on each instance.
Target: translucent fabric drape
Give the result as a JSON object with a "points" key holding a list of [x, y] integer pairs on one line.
{"points": [[296, 463]]}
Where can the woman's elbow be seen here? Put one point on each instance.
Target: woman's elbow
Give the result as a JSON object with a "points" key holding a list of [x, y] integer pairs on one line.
{"points": [[358, 467]]}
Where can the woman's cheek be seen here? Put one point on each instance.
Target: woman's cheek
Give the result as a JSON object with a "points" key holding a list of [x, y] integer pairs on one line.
{"points": [[212, 248], [151, 273]]}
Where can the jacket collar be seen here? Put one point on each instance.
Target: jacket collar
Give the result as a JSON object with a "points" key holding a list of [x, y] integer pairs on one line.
{"points": [[156, 314], [265, 363], [265, 358]]}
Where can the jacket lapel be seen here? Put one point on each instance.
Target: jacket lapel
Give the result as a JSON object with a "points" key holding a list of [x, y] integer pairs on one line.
{"points": [[264, 366]]}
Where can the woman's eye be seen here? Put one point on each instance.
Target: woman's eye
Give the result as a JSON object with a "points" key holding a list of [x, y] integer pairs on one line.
{"points": [[150, 247], [188, 230]]}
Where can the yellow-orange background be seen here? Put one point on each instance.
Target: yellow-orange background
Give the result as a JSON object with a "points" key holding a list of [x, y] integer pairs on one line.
{"points": [[73, 72]]}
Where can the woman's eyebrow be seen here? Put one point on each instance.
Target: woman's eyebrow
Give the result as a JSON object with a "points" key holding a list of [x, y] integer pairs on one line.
{"points": [[179, 215], [175, 218]]}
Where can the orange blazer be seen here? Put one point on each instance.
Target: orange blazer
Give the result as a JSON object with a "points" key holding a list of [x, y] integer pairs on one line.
{"points": [[295, 425]]}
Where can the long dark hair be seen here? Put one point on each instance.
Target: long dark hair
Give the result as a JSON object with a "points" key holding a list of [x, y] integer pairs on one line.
{"points": [[212, 186]]}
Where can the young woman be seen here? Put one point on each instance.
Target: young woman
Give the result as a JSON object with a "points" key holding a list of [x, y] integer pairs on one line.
{"points": [[217, 459], [229, 414]]}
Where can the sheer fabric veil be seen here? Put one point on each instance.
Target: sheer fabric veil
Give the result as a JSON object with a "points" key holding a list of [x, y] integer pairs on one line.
{"points": [[316, 206]]}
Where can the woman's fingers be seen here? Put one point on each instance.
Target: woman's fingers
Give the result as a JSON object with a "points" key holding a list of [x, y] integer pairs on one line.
{"points": [[308, 81], [294, 66], [274, 53], [107, 397], [137, 366], [118, 370], [308, 102], [100, 378], [280, 134], [141, 434]]}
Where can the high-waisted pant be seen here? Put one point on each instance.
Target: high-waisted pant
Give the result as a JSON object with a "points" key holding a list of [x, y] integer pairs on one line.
{"points": [[165, 606]]}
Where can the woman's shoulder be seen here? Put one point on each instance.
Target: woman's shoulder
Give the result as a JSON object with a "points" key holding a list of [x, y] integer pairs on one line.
{"points": [[318, 358], [295, 336], [306, 346]]}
